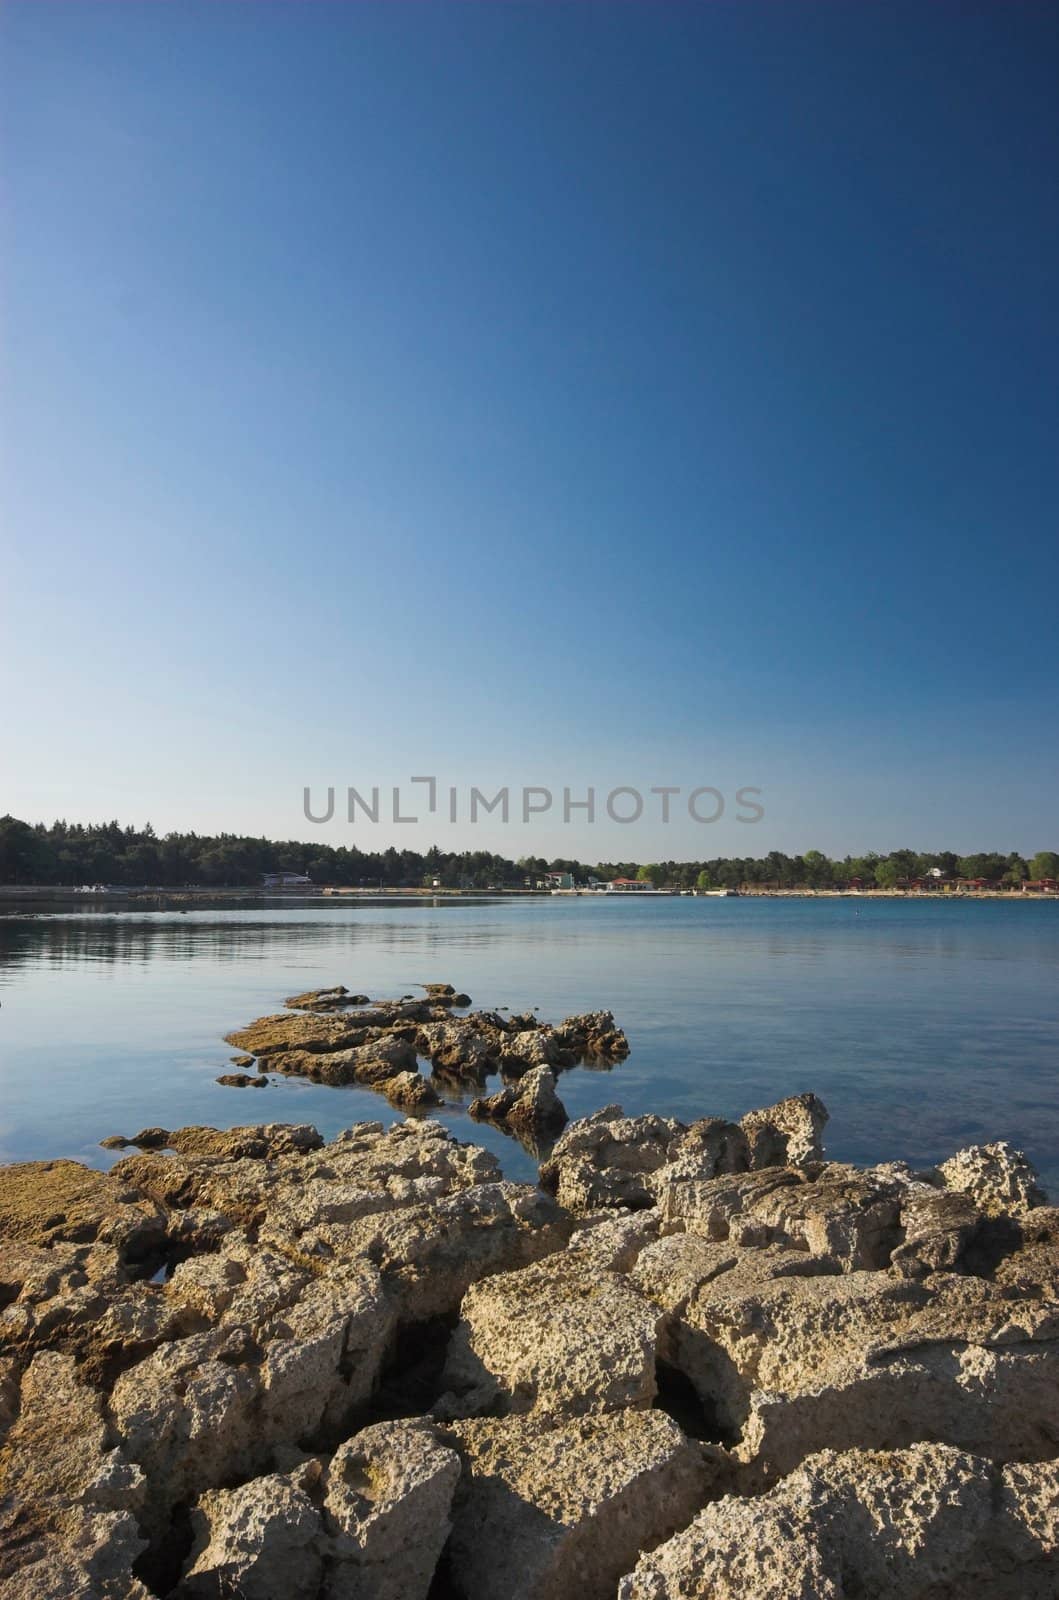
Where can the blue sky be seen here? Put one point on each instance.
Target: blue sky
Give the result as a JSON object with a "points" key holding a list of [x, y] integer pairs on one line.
{"points": [[564, 393]]}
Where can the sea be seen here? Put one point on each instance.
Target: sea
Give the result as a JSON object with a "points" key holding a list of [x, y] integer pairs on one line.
{"points": [[924, 1025]]}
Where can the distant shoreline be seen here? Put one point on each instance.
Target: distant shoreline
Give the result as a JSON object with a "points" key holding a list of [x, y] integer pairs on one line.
{"points": [[28, 894]]}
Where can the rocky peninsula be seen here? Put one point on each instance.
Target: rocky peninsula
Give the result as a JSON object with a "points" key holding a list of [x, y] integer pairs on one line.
{"points": [[697, 1361]]}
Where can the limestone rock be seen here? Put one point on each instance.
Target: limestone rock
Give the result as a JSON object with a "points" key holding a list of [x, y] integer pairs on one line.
{"points": [[546, 1513], [45, 1203], [605, 1160], [612, 1241], [457, 1048], [334, 999], [444, 994], [409, 1090], [296, 1030], [530, 1106], [388, 1492], [370, 1061], [561, 1337], [713, 1146], [869, 1358], [593, 1036], [261, 1541], [939, 1228], [790, 1360], [67, 1500], [997, 1178], [532, 1047], [921, 1524], [786, 1134]]}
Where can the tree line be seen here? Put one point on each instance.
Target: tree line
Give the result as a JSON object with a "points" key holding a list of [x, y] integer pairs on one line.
{"points": [[74, 853]]}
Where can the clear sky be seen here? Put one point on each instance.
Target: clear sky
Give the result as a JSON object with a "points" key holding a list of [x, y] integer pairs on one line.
{"points": [[562, 393]]}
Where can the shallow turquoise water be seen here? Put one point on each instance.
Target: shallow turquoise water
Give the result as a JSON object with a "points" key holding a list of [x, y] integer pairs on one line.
{"points": [[923, 1025]]}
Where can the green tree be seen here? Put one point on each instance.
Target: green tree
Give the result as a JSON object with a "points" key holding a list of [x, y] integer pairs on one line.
{"points": [[887, 873], [1045, 864], [704, 880], [818, 869], [652, 873]]}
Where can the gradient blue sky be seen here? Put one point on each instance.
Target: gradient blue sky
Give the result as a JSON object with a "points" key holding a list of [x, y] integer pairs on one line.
{"points": [[557, 393]]}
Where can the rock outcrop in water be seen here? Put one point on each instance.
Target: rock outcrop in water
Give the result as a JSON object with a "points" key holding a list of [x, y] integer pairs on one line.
{"points": [[703, 1362], [335, 1037]]}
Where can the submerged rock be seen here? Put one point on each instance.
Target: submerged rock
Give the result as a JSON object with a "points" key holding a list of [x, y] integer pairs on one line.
{"points": [[333, 999]]}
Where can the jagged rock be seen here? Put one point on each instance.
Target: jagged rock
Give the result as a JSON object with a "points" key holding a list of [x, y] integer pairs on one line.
{"points": [[370, 1062], [997, 1178], [853, 1217], [928, 1523], [530, 1106], [68, 1501], [241, 1080], [409, 1090], [673, 1269], [457, 1048], [722, 1208], [388, 1492], [939, 1227], [1029, 1253], [786, 1134], [431, 1253], [200, 1328], [611, 1160], [546, 1513], [593, 1036], [561, 1337], [261, 1541], [789, 1359], [711, 1146], [91, 1558], [532, 1047], [605, 1160], [613, 1241], [1029, 1509]]}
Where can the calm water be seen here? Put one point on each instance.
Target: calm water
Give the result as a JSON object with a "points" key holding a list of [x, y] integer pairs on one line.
{"points": [[922, 1025]]}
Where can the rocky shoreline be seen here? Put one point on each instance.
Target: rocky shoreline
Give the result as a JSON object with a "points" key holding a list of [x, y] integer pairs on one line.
{"points": [[697, 1362]]}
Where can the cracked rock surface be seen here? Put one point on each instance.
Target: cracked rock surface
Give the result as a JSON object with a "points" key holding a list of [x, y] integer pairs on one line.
{"points": [[700, 1362]]}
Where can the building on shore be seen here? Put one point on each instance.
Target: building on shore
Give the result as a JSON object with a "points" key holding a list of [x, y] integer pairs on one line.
{"points": [[285, 880]]}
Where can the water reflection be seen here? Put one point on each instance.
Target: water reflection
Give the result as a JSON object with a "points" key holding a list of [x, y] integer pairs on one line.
{"points": [[922, 1026]]}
